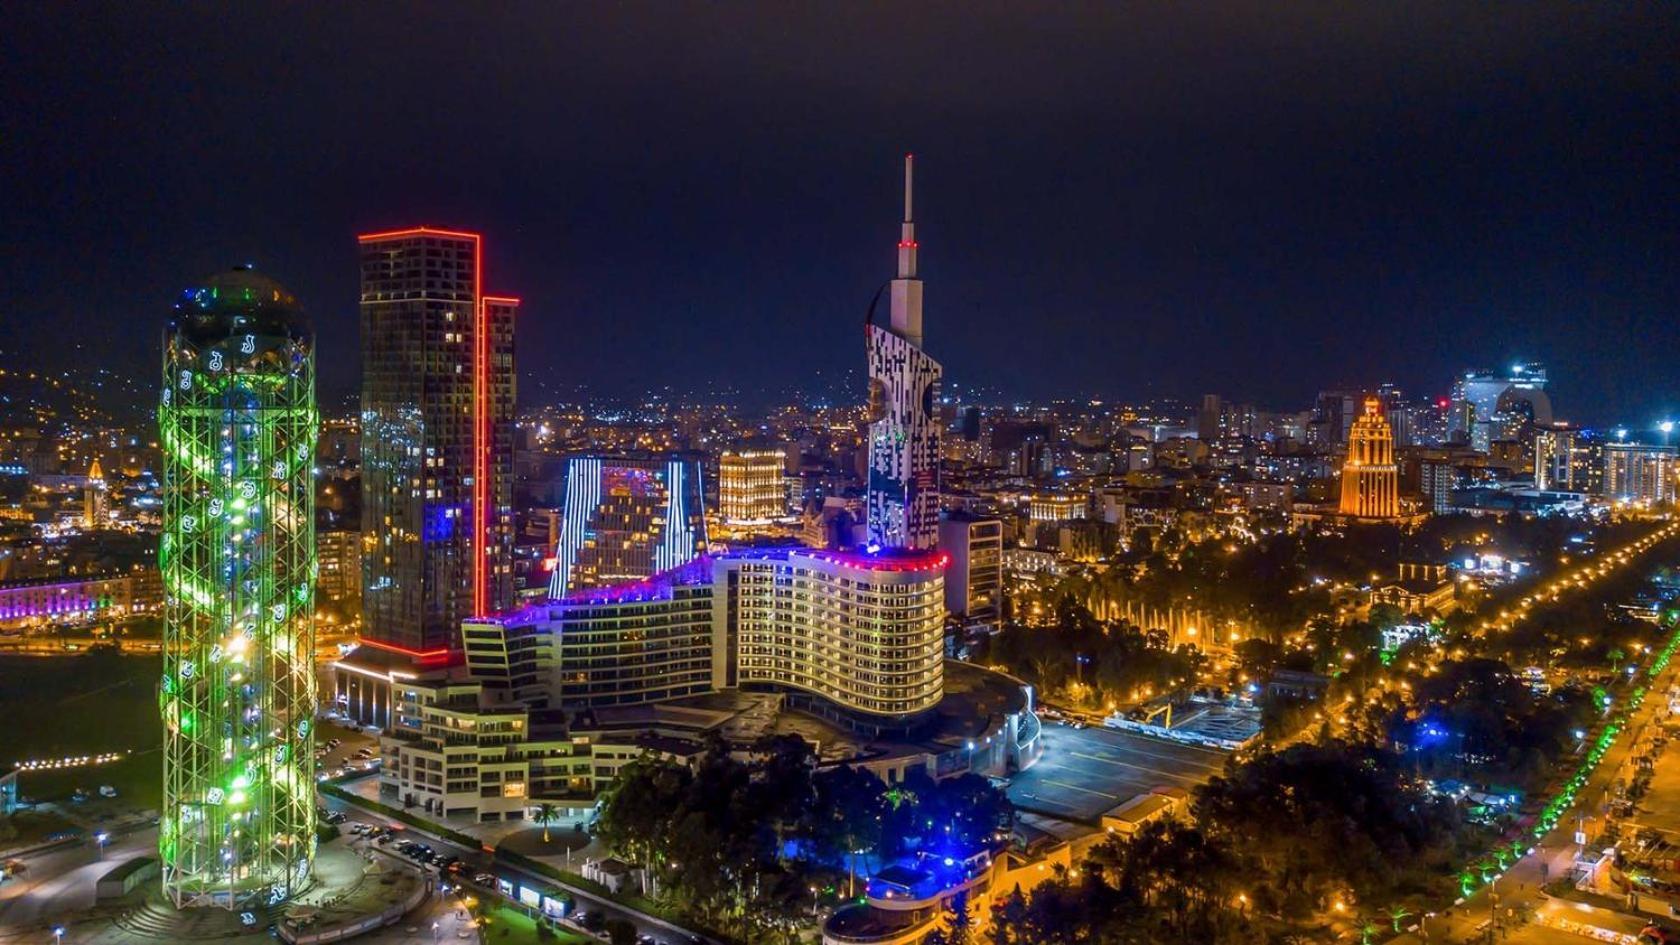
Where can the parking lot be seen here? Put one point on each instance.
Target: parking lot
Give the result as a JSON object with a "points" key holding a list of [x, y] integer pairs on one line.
{"points": [[1084, 772], [341, 750]]}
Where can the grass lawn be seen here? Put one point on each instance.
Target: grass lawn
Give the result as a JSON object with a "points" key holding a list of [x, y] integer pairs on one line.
{"points": [[27, 827], [79, 705], [513, 927], [137, 778]]}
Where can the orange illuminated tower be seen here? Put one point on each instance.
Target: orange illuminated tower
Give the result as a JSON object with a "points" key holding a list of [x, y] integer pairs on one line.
{"points": [[1370, 480]]}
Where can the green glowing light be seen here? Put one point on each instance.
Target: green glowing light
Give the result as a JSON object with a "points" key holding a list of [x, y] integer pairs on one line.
{"points": [[238, 427]]}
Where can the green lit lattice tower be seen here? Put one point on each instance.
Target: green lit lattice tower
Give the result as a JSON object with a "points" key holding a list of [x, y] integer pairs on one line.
{"points": [[238, 425]]}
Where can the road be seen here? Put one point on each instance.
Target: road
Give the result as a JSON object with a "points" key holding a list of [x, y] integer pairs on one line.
{"points": [[60, 882], [480, 861], [1518, 891]]}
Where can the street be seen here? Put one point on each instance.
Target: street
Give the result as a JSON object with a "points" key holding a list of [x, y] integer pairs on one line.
{"points": [[1517, 893]]}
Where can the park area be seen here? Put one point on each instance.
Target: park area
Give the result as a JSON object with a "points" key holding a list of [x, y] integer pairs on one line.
{"points": [[94, 703]]}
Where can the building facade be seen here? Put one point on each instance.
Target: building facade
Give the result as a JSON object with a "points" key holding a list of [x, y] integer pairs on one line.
{"points": [[1370, 479], [857, 638], [1057, 507], [238, 426], [1638, 472], [974, 581], [626, 519], [437, 437], [339, 584], [903, 502], [41, 603], [1554, 460], [752, 487]]}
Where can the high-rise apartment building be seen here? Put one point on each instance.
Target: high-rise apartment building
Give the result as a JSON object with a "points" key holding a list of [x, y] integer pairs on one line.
{"points": [[1490, 405], [627, 518], [752, 486], [237, 422], [1208, 417], [437, 438], [1370, 480], [1555, 454], [1639, 472], [339, 585], [1437, 480], [903, 508], [974, 580]]}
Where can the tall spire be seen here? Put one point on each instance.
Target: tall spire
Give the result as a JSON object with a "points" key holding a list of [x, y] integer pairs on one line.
{"points": [[907, 230], [906, 288]]}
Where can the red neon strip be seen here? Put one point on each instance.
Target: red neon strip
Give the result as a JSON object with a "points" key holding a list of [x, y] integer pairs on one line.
{"points": [[406, 651], [481, 427], [418, 231], [482, 434]]}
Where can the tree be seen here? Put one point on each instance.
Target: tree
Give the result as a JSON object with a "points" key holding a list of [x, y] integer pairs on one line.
{"points": [[620, 931], [1396, 914], [546, 814], [1008, 916], [1317, 818], [959, 925], [846, 817]]}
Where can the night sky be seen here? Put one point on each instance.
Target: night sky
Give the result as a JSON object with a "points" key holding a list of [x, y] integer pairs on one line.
{"points": [[1114, 200]]}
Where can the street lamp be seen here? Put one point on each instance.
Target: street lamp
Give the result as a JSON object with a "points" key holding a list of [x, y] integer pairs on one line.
{"points": [[435, 928], [58, 934], [100, 839]]}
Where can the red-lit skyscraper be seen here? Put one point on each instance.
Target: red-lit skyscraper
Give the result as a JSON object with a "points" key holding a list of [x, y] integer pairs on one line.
{"points": [[437, 439]]}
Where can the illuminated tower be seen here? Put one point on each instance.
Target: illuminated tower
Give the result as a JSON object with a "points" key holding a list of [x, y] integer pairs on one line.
{"points": [[903, 426], [1370, 480], [238, 426], [93, 498], [437, 439]]}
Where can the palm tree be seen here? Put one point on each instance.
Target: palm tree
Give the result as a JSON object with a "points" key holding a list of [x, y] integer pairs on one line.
{"points": [[1397, 913], [546, 814]]}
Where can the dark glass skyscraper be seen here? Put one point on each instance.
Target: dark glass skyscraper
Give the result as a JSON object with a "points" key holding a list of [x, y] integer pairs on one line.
{"points": [[437, 439]]}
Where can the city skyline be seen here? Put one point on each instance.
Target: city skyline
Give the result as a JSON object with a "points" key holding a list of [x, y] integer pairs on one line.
{"points": [[1166, 212], [1271, 532]]}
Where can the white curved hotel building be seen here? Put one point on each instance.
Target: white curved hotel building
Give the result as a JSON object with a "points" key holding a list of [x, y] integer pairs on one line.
{"points": [[857, 638]]}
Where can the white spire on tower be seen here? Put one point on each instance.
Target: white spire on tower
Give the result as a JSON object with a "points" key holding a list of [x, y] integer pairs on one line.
{"points": [[907, 230], [907, 289]]}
